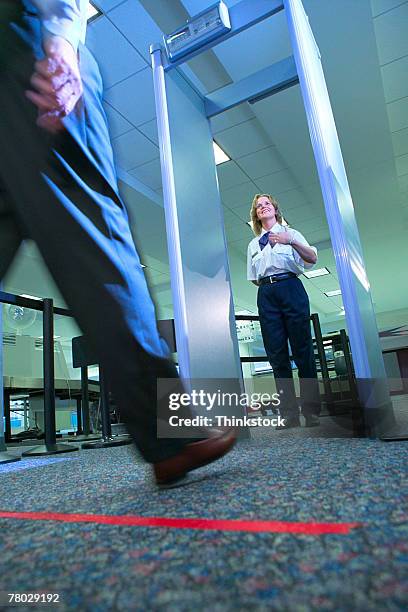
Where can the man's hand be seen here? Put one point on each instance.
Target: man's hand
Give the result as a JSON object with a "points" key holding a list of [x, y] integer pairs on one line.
{"points": [[280, 238], [57, 84]]}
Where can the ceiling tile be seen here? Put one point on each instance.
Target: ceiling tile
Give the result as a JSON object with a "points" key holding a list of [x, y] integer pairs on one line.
{"points": [[106, 5], [134, 97], [400, 142], [156, 276], [132, 149], [302, 213], [195, 6], [230, 217], [380, 6], [277, 182], [401, 163], [291, 199], [325, 283], [230, 175], [391, 33], [398, 114], [244, 212], [239, 195], [232, 117], [241, 247], [313, 236], [118, 59], [149, 174], [308, 224], [239, 232], [117, 124], [154, 264], [403, 183], [137, 25], [149, 129], [395, 79], [242, 139], [255, 48], [261, 163]]}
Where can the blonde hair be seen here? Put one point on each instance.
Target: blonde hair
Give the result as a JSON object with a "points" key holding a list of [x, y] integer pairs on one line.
{"points": [[256, 224]]}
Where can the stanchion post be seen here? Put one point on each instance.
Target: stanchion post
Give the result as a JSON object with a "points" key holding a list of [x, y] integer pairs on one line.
{"points": [[49, 373], [5, 457], [105, 412], [7, 415], [107, 439], [357, 414], [322, 358], [85, 401], [79, 416], [50, 447]]}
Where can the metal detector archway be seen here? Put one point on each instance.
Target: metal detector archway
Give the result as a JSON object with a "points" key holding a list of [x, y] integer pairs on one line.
{"points": [[201, 289]]}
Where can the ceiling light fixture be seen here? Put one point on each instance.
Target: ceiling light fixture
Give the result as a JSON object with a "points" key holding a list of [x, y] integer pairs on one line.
{"points": [[93, 12], [315, 273], [30, 297], [220, 155], [332, 293]]}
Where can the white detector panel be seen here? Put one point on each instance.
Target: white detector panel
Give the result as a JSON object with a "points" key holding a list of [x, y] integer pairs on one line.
{"points": [[203, 28]]}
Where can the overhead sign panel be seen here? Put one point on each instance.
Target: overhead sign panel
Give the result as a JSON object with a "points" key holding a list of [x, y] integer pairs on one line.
{"points": [[203, 28]]}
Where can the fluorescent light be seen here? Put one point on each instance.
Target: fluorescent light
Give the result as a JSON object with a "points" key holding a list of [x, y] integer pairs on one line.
{"points": [[92, 11], [332, 293], [327, 341], [220, 155], [30, 297], [318, 272]]}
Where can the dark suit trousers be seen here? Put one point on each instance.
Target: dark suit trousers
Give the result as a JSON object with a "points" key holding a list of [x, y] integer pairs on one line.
{"points": [[284, 314], [61, 191]]}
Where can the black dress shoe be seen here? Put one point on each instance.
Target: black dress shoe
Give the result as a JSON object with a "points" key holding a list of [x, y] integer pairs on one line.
{"points": [[193, 456], [290, 422], [312, 420]]}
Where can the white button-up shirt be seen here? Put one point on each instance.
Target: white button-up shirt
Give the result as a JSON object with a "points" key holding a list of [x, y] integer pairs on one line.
{"points": [[65, 18], [277, 259]]}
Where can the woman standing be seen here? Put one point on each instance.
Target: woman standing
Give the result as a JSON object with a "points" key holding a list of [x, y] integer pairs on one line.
{"points": [[276, 257]]}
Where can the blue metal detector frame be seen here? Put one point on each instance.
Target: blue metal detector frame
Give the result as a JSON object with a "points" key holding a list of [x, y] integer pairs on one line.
{"points": [[202, 297]]}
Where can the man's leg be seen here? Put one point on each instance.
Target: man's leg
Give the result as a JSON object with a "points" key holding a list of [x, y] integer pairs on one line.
{"points": [[275, 341], [75, 216], [297, 317]]}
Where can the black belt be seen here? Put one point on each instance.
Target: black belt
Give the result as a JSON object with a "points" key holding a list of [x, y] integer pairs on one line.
{"points": [[266, 280]]}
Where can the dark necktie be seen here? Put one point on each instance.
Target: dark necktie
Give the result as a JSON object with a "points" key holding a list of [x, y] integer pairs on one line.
{"points": [[263, 241]]}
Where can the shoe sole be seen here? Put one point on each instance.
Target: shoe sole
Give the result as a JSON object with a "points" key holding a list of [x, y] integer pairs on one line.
{"points": [[178, 481]]}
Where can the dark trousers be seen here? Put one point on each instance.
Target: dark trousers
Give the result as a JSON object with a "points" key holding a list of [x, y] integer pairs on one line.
{"points": [[284, 314], [61, 191]]}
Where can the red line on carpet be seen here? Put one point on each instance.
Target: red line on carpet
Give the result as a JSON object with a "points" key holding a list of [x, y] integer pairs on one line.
{"points": [[310, 528]]}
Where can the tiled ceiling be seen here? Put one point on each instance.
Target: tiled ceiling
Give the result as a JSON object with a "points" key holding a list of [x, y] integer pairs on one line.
{"points": [[364, 48]]}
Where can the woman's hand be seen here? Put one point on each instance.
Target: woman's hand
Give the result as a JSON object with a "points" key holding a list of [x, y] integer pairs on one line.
{"points": [[280, 238]]}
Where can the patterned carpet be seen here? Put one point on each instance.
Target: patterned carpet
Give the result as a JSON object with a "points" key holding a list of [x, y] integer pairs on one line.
{"points": [[272, 477]]}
